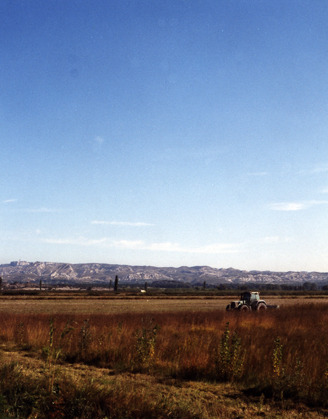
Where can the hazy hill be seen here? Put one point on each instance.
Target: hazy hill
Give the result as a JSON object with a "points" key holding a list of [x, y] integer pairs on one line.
{"points": [[51, 272]]}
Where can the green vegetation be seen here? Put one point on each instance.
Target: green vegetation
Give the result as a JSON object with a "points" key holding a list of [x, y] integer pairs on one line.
{"points": [[116, 284]]}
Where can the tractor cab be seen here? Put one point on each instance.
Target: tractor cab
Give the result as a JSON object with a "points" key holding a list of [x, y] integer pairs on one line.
{"points": [[250, 297]]}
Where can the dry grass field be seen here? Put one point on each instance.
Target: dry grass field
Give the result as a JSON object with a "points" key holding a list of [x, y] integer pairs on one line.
{"points": [[104, 305], [162, 357]]}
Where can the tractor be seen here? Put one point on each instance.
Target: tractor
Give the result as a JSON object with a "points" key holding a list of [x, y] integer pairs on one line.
{"points": [[249, 301]]}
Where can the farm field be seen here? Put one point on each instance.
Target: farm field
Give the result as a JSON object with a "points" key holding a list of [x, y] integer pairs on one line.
{"points": [[165, 357], [74, 304]]}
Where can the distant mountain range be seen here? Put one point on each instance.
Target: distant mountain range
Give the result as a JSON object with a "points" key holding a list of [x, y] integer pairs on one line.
{"points": [[54, 273]]}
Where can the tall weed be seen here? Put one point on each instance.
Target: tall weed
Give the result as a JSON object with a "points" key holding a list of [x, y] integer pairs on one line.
{"points": [[145, 345], [230, 357]]}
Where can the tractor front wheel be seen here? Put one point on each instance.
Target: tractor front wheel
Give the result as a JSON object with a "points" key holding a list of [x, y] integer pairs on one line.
{"points": [[261, 306]]}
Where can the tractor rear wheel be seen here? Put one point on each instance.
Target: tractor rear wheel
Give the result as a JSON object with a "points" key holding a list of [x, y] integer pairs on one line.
{"points": [[228, 308], [244, 307], [261, 306]]}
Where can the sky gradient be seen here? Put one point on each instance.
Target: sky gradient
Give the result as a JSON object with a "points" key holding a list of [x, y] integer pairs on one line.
{"points": [[165, 133]]}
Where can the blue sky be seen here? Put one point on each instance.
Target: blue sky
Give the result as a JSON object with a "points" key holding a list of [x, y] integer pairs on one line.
{"points": [[165, 133]]}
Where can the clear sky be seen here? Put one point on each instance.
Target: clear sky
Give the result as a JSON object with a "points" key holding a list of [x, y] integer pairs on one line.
{"points": [[165, 133]]}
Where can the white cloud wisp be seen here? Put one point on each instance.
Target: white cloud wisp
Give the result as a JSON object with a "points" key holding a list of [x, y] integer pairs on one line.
{"points": [[7, 201], [295, 206], [122, 223], [217, 248]]}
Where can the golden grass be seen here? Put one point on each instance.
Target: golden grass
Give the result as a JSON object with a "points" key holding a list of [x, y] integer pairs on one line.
{"points": [[174, 358], [148, 396], [187, 339]]}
